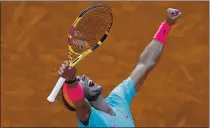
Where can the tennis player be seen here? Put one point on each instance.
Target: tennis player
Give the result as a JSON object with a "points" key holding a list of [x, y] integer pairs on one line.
{"points": [[83, 95]]}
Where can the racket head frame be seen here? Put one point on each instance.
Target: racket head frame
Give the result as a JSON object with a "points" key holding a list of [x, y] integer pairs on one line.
{"points": [[72, 63]]}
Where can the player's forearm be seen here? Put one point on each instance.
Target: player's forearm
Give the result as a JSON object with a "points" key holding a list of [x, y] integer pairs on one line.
{"points": [[151, 54], [149, 57], [82, 106], [153, 51]]}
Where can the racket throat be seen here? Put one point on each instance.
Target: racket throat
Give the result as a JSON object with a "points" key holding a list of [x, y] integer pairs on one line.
{"points": [[77, 60]]}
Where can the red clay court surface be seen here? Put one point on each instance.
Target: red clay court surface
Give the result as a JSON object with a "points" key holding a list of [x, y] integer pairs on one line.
{"points": [[34, 44]]}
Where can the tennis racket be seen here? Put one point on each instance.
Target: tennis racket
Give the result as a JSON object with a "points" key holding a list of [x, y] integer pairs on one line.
{"points": [[87, 33]]}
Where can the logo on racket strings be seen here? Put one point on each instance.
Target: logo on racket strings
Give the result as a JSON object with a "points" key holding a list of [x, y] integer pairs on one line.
{"points": [[78, 34], [80, 43]]}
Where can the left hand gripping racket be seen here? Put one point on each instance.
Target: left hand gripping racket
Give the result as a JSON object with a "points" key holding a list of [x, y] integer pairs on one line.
{"points": [[87, 33]]}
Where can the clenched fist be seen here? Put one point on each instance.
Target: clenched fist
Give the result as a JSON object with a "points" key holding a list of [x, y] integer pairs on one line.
{"points": [[69, 73]]}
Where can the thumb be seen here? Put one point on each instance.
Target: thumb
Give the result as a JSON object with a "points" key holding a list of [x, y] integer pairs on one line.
{"points": [[66, 63]]}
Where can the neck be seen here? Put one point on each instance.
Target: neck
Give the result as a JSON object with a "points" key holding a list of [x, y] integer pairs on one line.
{"points": [[102, 105]]}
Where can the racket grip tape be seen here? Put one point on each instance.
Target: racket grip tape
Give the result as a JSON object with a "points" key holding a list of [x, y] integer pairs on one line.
{"points": [[56, 89]]}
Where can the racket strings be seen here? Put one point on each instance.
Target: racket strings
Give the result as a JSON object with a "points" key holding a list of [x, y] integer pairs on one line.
{"points": [[91, 28]]}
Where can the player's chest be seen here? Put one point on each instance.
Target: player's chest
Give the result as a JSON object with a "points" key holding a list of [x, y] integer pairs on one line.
{"points": [[122, 119]]}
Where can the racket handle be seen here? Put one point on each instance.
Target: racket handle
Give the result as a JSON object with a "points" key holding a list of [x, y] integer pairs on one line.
{"points": [[56, 89]]}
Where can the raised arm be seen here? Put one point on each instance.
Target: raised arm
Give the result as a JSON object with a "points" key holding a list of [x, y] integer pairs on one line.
{"points": [[75, 92], [82, 106], [151, 54]]}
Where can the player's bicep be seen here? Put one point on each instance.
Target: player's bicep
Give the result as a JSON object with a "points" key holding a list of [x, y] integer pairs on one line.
{"points": [[139, 74]]}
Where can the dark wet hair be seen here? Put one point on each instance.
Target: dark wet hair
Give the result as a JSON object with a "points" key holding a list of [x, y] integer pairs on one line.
{"points": [[64, 102]]}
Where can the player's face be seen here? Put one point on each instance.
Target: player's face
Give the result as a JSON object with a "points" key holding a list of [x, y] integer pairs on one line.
{"points": [[92, 90]]}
